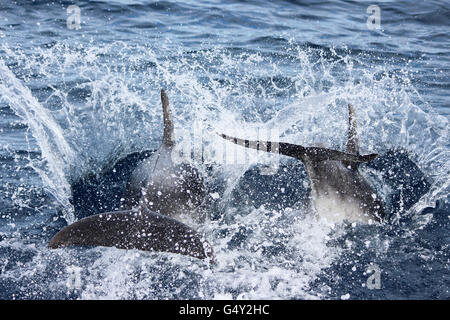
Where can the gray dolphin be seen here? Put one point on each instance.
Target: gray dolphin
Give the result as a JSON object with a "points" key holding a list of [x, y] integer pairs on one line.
{"points": [[165, 186], [339, 191], [158, 191]]}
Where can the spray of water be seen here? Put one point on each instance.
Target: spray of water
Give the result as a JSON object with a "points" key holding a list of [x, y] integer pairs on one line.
{"points": [[101, 103]]}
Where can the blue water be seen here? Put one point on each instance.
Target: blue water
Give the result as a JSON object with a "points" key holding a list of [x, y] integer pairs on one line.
{"points": [[80, 107]]}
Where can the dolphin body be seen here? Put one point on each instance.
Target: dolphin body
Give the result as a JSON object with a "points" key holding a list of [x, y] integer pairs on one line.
{"points": [[165, 186], [339, 191], [158, 192]]}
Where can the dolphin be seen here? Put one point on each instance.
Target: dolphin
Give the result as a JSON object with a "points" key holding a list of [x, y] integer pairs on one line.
{"points": [[339, 191], [158, 192], [164, 185]]}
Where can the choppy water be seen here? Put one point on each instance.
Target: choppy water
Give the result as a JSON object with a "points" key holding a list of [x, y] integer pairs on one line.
{"points": [[79, 107]]}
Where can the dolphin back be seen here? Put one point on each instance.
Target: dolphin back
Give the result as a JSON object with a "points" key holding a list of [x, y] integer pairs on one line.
{"points": [[139, 229]]}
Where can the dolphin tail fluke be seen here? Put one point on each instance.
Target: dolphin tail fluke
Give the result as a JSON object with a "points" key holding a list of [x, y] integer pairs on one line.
{"points": [[139, 229], [352, 138], [168, 137], [267, 146], [298, 151]]}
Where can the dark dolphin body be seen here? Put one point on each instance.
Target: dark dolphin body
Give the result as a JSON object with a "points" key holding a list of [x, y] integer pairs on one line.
{"points": [[339, 191], [158, 191]]}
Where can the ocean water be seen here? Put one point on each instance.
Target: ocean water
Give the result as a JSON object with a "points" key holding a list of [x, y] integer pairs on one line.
{"points": [[79, 107]]}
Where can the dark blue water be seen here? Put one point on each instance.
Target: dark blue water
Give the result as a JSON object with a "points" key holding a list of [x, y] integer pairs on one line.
{"points": [[80, 106]]}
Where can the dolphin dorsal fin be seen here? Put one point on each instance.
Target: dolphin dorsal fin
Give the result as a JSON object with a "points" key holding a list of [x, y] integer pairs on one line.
{"points": [[352, 137], [168, 137]]}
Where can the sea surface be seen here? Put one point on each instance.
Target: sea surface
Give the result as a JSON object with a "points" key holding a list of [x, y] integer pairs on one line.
{"points": [[80, 106]]}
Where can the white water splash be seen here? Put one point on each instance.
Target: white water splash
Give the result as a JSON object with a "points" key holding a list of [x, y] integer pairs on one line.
{"points": [[56, 152], [225, 90]]}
